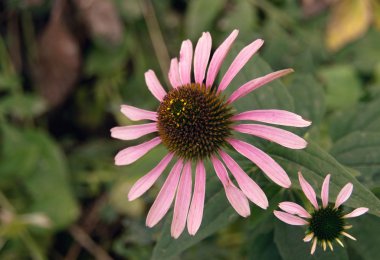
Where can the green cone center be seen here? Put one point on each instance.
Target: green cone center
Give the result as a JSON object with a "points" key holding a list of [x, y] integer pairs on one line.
{"points": [[194, 121]]}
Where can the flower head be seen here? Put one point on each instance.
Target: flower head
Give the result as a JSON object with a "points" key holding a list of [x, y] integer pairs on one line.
{"points": [[325, 223], [196, 122]]}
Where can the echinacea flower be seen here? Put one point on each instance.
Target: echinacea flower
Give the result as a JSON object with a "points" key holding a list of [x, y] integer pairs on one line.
{"points": [[325, 223], [195, 123]]}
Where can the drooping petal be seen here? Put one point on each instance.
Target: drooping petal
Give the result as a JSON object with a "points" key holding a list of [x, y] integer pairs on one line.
{"points": [[308, 191], [314, 245], [277, 135], [344, 194], [235, 196], [165, 197], [182, 202], [325, 191], [133, 131], [185, 59], [201, 57], [218, 58], [173, 75], [246, 184], [294, 208], [136, 114], [145, 182], [308, 237], [289, 219], [273, 116], [241, 59], [356, 213], [263, 161], [133, 153], [256, 83], [195, 215], [154, 85], [348, 235]]}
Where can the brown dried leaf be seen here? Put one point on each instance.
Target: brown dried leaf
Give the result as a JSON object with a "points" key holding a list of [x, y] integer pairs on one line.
{"points": [[314, 7], [101, 19], [58, 61], [349, 20]]}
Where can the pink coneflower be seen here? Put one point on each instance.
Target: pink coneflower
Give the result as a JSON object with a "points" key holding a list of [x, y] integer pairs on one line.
{"points": [[325, 223], [195, 123]]}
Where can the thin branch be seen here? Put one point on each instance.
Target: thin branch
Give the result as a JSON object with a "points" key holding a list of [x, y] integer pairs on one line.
{"points": [[86, 242], [156, 37]]}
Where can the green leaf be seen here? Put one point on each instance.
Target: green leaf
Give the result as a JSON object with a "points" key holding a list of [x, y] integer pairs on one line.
{"points": [[200, 15], [315, 164], [22, 106], [289, 242], [363, 117], [309, 98], [366, 230], [45, 177], [343, 88], [233, 18], [361, 151]]}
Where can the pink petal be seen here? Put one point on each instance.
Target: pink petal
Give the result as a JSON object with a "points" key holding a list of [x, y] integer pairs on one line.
{"points": [[185, 58], [182, 202], [273, 116], [136, 114], [325, 191], [133, 131], [145, 182], [235, 196], [174, 73], [356, 213], [294, 208], [238, 200], [165, 197], [218, 58], [263, 161], [154, 85], [290, 219], [308, 191], [194, 218], [238, 63], [344, 194], [256, 83], [277, 135], [201, 56], [133, 153], [247, 185]]}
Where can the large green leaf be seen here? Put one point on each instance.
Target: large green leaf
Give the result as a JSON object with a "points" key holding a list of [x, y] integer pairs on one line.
{"points": [[34, 162], [343, 87], [315, 164], [361, 151], [366, 230], [363, 117], [309, 99]]}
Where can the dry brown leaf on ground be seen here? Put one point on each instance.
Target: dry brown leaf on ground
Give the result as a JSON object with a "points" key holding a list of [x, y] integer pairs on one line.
{"points": [[58, 60], [349, 20], [101, 19]]}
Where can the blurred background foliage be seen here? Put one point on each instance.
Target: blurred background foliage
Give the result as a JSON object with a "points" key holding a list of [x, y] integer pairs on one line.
{"points": [[66, 66]]}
